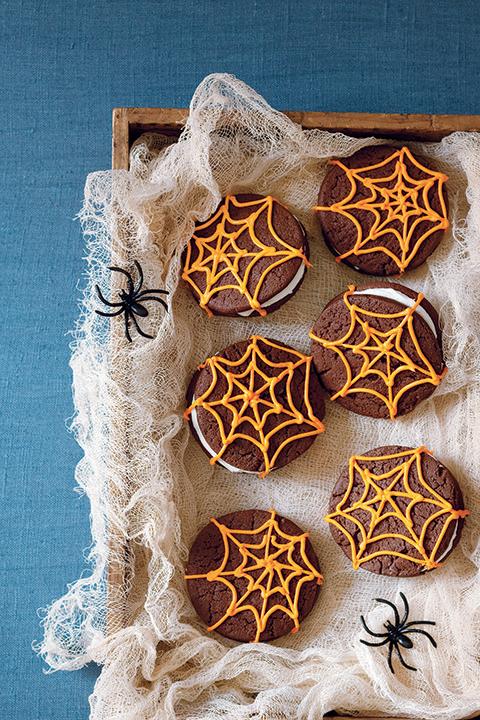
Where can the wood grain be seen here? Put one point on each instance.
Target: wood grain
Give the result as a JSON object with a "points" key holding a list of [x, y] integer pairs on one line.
{"points": [[130, 123]]}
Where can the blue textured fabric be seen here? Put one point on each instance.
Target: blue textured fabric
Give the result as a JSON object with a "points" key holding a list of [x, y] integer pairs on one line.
{"points": [[65, 64]]}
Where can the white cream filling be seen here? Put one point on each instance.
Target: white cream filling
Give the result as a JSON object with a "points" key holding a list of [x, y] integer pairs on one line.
{"points": [[450, 544], [210, 451], [448, 548], [392, 294], [288, 290]]}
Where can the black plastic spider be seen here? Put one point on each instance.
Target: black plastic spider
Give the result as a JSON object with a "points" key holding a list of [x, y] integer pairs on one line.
{"points": [[131, 301], [397, 635]]}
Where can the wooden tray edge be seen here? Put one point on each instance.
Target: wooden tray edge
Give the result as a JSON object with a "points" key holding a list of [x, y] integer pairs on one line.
{"points": [[128, 123]]}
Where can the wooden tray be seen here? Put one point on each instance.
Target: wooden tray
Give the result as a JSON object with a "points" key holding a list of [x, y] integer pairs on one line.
{"points": [[130, 123]]}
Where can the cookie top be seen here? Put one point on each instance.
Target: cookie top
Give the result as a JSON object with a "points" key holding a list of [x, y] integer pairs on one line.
{"points": [[256, 406], [252, 575], [396, 511], [382, 210], [248, 258], [378, 349]]}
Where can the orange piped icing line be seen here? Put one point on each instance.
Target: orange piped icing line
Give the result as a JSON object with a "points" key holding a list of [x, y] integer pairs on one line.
{"points": [[377, 345], [406, 204], [275, 573], [262, 401], [219, 254], [376, 506]]}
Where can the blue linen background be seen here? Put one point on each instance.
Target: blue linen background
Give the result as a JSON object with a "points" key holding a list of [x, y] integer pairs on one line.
{"points": [[65, 64]]}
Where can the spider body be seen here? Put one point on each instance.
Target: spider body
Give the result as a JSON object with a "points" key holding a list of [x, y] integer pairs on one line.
{"points": [[131, 300], [397, 634]]}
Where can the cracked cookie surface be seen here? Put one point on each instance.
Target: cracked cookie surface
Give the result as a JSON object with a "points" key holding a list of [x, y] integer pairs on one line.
{"points": [[252, 575], [396, 511]]}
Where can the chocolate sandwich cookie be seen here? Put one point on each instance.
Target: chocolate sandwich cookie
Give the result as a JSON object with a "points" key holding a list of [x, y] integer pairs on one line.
{"points": [[256, 406], [248, 258], [378, 349], [252, 575], [396, 511], [382, 210]]}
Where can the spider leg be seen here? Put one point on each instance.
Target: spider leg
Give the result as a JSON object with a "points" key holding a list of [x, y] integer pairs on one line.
{"points": [[127, 327], [407, 609], [387, 602], [370, 644], [112, 314], [139, 329], [422, 632], [144, 299], [140, 276], [409, 667], [147, 292], [370, 632], [390, 665], [127, 275], [419, 622], [104, 300]]}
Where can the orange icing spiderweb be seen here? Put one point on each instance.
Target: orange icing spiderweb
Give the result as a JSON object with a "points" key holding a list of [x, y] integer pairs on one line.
{"points": [[398, 210], [268, 567], [380, 500], [220, 256], [375, 346], [251, 399]]}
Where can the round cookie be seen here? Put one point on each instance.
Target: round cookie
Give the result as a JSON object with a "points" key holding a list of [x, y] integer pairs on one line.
{"points": [[378, 349], [248, 258], [382, 210], [252, 575], [396, 511], [256, 406]]}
